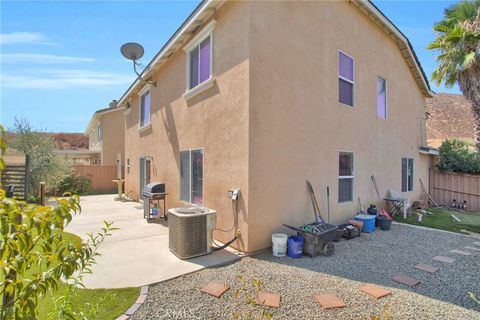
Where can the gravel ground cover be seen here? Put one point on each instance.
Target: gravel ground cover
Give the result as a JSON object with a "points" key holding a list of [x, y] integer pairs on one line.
{"points": [[372, 258]]}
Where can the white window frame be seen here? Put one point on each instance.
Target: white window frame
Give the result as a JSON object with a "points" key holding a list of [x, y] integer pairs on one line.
{"points": [[386, 97], [190, 177], [406, 177], [346, 177], [194, 43], [141, 93], [345, 79]]}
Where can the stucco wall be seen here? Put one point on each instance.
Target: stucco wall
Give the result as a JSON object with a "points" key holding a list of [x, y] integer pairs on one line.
{"points": [[216, 120], [113, 137], [297, 125]]}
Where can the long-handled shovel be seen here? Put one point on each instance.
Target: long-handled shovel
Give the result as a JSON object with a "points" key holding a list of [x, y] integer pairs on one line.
{"points": [[383, 212], [316, 208]]}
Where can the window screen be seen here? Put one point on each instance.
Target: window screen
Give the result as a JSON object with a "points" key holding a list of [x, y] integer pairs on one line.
{"points": [[185, 176], [191, 176], [381, 98], [345, 176], [200, 63], [345, 79], [145, 109], [407, 174]]}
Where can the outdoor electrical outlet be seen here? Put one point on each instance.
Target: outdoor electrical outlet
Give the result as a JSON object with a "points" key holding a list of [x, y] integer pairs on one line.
{"points": [[230, 193]]}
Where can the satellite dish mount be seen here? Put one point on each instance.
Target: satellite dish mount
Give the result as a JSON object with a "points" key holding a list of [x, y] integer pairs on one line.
{"points": [[134, 51]]}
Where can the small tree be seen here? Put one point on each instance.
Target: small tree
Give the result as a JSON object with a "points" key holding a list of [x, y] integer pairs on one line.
{"points": [[31, 238], [44, 164]]}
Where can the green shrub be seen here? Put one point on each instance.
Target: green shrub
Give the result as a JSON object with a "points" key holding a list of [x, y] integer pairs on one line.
{"points": [[456, 156], [74, 184]]}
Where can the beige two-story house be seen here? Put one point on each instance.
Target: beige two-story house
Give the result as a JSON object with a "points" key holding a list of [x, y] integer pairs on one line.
{"points": [[263, 95], [106, 135]]}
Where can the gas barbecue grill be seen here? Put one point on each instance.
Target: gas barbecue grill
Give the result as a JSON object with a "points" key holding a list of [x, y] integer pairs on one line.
{"points": [[154, 193]]}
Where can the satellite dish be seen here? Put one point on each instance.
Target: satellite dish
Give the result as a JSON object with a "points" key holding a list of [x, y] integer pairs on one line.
{"points": [[132, 51]]}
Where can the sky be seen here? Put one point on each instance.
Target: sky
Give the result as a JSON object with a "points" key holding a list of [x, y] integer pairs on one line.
{"points": [[60, 60]]}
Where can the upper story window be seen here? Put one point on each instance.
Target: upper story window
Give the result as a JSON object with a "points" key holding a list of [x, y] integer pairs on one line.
{"points": [[144, 108], [99, 133], [199, 57], [346, 79], [381, 98]]}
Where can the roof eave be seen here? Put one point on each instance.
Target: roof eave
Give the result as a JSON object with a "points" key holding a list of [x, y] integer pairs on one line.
{"points": [[407, 51], [202, 12]]}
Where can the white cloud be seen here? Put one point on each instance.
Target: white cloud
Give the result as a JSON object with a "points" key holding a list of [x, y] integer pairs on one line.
{"points": [[64, 79], [41, 58], [23, 37]]}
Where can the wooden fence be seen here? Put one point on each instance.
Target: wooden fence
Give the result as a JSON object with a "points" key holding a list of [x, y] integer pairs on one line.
{"points": [[100, 176], [16, 175], [444, 187]]}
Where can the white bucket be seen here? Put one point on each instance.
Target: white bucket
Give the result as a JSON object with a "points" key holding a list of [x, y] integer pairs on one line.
{"points": [[279, 244]]}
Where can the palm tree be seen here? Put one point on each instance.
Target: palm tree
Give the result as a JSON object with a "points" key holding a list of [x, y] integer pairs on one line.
{"points": [[458, 42]]}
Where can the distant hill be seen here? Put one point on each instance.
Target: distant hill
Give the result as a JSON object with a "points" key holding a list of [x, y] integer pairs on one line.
{"points": [[70, 141], [63, 140], [450, 117]]}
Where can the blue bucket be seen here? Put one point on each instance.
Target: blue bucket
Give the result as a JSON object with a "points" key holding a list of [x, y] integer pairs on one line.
{"points": [[295, 246]]}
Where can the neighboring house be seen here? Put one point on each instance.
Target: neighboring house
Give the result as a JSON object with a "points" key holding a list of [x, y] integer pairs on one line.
{"points": [[73, 147], [263, 95], [80, 156], [450, 116], [106, 135]]}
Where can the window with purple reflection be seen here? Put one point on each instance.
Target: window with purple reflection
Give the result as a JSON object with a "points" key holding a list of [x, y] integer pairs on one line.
{"points": [[345, 79], [381, 98], [200, 62]]}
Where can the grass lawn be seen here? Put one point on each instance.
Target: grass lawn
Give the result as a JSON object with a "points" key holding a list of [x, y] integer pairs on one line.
{"points": [[441, 220], [96, 303]]}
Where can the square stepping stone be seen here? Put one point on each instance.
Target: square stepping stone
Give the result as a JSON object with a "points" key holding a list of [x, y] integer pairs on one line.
{"points": [[215, 289], [464, 253], [472, 248], [444, 259], [329, 301], [268, 299], [426, 267], [411, 282], [375, 291]]}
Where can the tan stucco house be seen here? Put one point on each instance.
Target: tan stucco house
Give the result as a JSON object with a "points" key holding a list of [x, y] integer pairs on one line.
{"points": [[262, 95], [106, 135]]}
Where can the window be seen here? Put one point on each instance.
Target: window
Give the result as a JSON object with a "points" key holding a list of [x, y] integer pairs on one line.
{"points": [[191, 176], [345, 176], [345, 79], [99, 133], [200, 62], [381, 98], [145, 109], [407, 174]]}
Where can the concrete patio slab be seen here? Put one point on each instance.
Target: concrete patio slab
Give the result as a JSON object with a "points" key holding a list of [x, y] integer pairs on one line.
{"points": [[137, 254]]}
